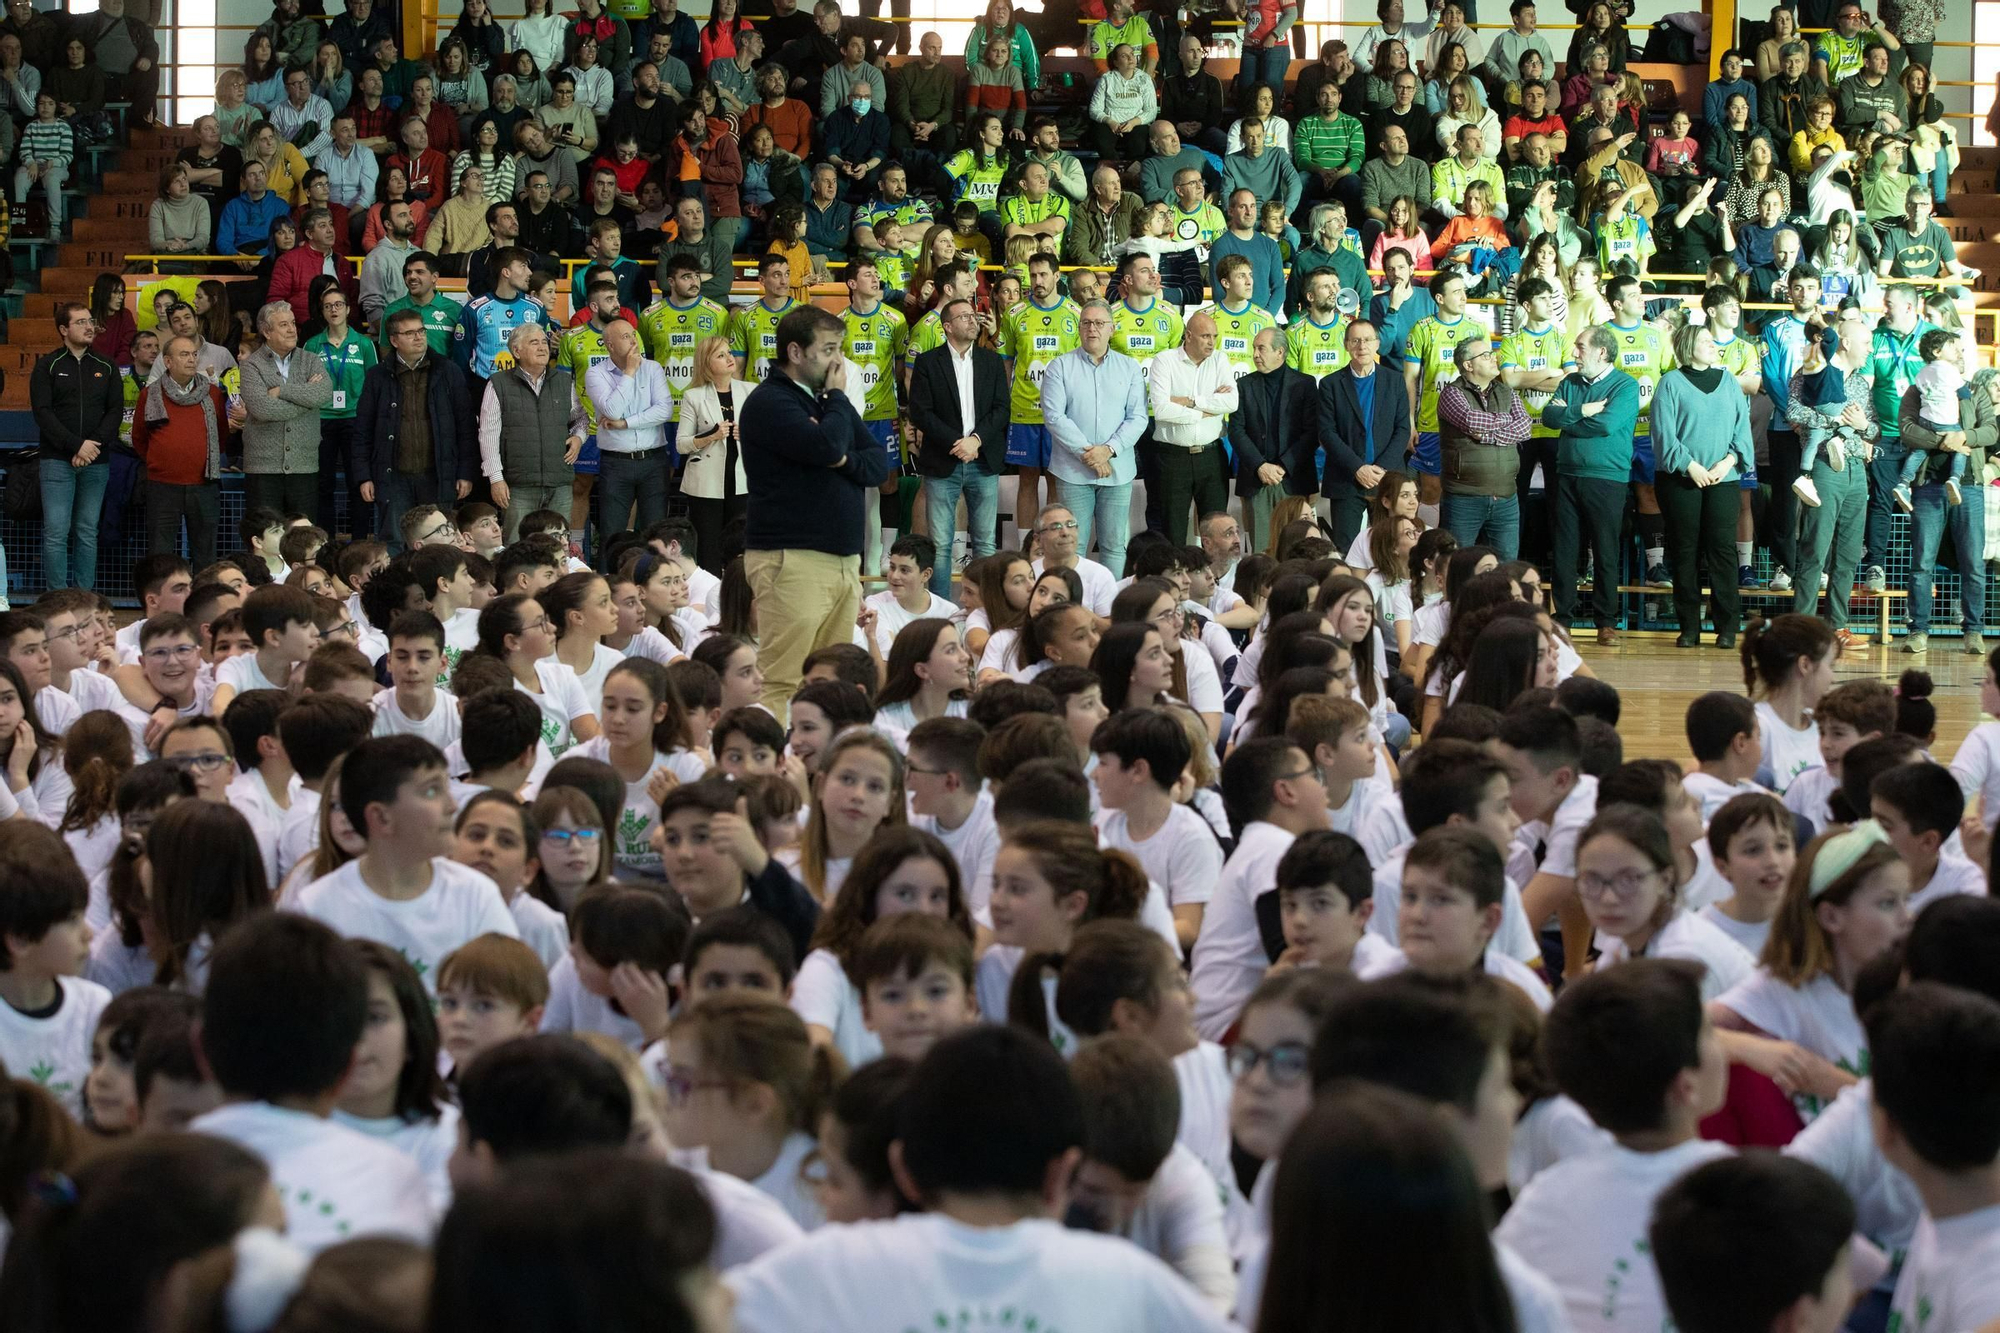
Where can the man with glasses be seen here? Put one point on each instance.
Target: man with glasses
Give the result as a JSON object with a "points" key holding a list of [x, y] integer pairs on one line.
{"points": [[1094, 401], [24, 638], [179, 425], [1056, 538], [199, 747], [958, 403], [414, 431], [1481, 426], [1193, 393], [1840, 52]]}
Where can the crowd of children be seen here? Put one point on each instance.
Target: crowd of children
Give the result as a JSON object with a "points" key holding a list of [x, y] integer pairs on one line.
{"points": [[461, 944]]}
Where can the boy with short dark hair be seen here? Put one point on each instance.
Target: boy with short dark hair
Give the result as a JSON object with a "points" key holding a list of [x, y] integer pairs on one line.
{"points": [[339, 668], [266, 784], [748, 741], [700, 689], [1780, 1228], [167, 1076], [624, 944], [285, 1005], [1935, 1052], [448, 594], [489, 990], [1141, 754], [526, 566], [1554, 799], [315, 731], [414, 705], [279, 620], [908, 596], [1750, 841], [479, 523], [1010, 1093], [1587, 696], [170, 662], [48, 1011], [1325, 896], [500, 734], [1727, 744], [1918, 806], [844, 661], [738, 951], [714, 859], [1849, 713], [69, 623], [1451, 908], [1633, 1046], [163, 580], [1079, 697], [533, 1096], [263, 532], [301, 545], [914, 972], [950, 800], [404, 890]]}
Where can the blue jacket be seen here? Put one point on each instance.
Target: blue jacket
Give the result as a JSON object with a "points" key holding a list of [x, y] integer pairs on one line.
{"points": [[454, 424], [798, 499], [1715, 98], [854, 139], [245, 226], [1266, 261], [480, 336]]}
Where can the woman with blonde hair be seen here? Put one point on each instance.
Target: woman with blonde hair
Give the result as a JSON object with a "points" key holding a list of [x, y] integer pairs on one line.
{"points": [[284, 166], [1465, 104], [713, 481], [1291, 509]]}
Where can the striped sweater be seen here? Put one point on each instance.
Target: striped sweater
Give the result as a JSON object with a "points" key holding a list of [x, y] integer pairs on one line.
{"points": [[48, 141]]}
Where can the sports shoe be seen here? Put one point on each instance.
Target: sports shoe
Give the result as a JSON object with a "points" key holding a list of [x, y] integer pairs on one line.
{"points": [[1657, 577], [1916, 641], [1975, 643], [1807, 492], [1781, 581], [1952, 495], [1746, 577], [1836, 454], [1901, 495], [1844, 637], [1876, 579]]}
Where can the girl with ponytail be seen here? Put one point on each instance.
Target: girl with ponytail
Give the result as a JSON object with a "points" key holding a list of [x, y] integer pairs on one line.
{"points": [[517, 632], [96, 754], [1791, 660]]}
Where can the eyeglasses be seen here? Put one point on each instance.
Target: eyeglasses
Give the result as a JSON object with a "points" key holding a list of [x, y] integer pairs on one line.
{"points": [[1624, 885], [1309, 771], [206, 762], [914, 771], [562, 837], [69, 633], [541, 623], [344, 627], [180, 652], [1285, 1064], [681, 1086], [1069, 526]]}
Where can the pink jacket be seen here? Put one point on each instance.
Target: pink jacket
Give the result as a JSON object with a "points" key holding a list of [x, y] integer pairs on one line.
{"points": [[1417, 246]]}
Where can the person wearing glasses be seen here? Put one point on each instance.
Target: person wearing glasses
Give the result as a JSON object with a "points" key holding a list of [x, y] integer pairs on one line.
{"points": [[199, 747], [958, 403], [170, 659], [1094, 401], [414, 434], [178, 427]]}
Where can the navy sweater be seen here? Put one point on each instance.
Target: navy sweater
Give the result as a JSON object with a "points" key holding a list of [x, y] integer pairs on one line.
{"points": [[798, 500]]}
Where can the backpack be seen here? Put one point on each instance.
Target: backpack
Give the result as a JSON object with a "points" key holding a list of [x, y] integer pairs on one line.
{"points": [[1669, 45]]}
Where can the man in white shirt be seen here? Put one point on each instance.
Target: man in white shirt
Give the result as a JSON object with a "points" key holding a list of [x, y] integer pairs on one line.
{"points": [[1193, 391], [633, 403]]}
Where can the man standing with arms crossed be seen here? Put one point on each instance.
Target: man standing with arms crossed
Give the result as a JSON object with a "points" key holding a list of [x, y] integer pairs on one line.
{"points": [[812, 467]]}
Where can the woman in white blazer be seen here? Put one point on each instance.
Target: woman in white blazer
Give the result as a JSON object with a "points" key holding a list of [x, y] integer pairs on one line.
{"points": [[713, 480]]}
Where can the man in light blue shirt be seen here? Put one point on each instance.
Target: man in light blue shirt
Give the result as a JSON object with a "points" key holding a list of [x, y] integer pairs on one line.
{"points": [[633, 404], [1094, 401]]}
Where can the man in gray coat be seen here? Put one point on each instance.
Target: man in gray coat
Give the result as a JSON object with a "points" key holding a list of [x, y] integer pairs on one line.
{"points": [[284, 388]]}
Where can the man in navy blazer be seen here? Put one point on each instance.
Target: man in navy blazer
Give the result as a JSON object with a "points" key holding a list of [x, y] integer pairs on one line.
{"points": [[1364, 426], [1275, 432], [964, 434]]}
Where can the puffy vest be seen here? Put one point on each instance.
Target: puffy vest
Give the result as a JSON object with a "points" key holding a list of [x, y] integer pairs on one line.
{"points": [[534, 430]]}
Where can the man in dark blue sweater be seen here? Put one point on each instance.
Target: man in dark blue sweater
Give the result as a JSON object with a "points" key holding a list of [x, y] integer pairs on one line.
{"points": [[812, 466]]}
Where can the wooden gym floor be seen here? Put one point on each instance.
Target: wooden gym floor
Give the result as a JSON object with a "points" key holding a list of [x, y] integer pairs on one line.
{"points": [[1656, 681]]}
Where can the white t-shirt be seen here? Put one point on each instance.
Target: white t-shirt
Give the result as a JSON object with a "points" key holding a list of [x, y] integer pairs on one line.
{"points": [[1951, 1279], [136, 720], [1383, 829], [898, 720], [924, 1270], [1583, 1225], [822, 995], [1496, 964], [126, 642], [748, 1222], [440, 726], [461, 636], [1392, 604], [1977, 768], [1558, 836], [571, 1008], [89, 691], [651, 645], [1429, 622], [633, 844], [1688, 936], [705, 591], [428, 1143], [1182, 856], [1808, 796], [54, 1050], [57, 710], [1100, 585], [1515, 938], [1204, 684], [561, 700], [1788, 752], [891, 617], [298, 831], [1206, 1086], [998, 652], [1713, 793], [785, 1182], [251, 797], [973, 845], [1706, 885], [1750, 934], [116, 966], [242, 674], [602, 659], [1367, 794], [1229, 956], [993, 980], [337, 1183], [1179, 1222], [92, 847], [1551, 1130], [542, 928], [1818, 1016], [1841, 1142], [1954, 874], [460, 905]]}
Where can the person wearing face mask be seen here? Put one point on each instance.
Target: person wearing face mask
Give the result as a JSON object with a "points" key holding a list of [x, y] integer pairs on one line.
{"points": [[855, 139]]}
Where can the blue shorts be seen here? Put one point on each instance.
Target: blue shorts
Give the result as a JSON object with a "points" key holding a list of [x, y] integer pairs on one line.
{"points": [[1642, 459], [586, 457], [885, 435], [1029, 446], [1428, 456]]}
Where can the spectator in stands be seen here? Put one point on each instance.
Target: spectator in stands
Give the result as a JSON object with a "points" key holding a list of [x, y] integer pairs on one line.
{"points": [[382, 271], [924, 104], [1045, 146], [1818, 132], [1839, 52], [993, 86], [644, 114], [1166, 160], [507, 112], [426, 171], [19, 81], [77, 403], [1784, 99], [706, 245], [1870, 99], [125, 49], [1267, 43], [178, 222], [213, 360], [1328, 148], [836, 87], [40, 34], [302, 118], [1439, 78], [790, 120], [232, 111], [540, 32], [1000, 21], [481, 35], [440, 122], [1462, 108], [1601, 26], [459, 227], [1585, 80], [263, 74], [503, 222], [855, 138], [245, 227], [721, 38], [458, 86], [1336, 67], [284, 166], [829, 220], [317, 253], [358, 31], [484, 155], [111, 312], [1831, 533], [415, 435], [1733, 82], [1267, 172], [331, 79], [1122, 106], [571, 125], [1503, 58], [540, 153], [1103, 222], [734, 77], [1920, 247], [284, 388], [1242, 238], [351, 171], [394, 189], [179, 426], [1379, 87], [1191, 98], [1914, 23], [1407, 111], [594, 84], [1933, 520], [1388, 175], [375, 121], [1729, 136]]}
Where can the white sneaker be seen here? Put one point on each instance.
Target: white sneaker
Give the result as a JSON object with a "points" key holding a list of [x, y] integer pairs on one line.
{"points": [[1781, 581], [1836, 454], [1952, 495], [1808, 493]]}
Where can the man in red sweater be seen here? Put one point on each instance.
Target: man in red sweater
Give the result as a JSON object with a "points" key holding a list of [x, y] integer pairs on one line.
{"points": [[292, 275], [178, 426]]}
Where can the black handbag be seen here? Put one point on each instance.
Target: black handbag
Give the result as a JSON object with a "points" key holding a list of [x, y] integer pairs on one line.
{"points": [[23, 497]]}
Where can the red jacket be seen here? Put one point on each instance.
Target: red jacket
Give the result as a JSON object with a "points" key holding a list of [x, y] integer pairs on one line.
{"points": [[292, 276], [430, 175], [176, 451]]}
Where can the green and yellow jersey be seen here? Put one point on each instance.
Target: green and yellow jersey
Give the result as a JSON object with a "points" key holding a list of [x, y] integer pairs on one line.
{"points": [[894, 266], [753, 336], [1234, 330], [672, 333], [1030, 338], [876, 342], [1645, 355], [925, 334], [1626, 238], [1316, 349], [577, 351], [1430, 349], [976, 179], [1144, 334], [1537, 349], [1740, 355], [1020, 211]]}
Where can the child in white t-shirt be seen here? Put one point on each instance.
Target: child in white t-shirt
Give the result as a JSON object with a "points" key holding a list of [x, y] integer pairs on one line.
{"points": [[1791, 660], [1325, 897], [404, 890], [48, 1012], [1918, 806], [1750, 842], [490, 990], [1141, 754], [495, 835], [646, 740], [414, 705], [515, 630], [949, 800], [1338, 735], [908, 596], [624, 944], [1940, 387], [1554, 799], [914, 972], [1453, 894], [315, 731], [1849, 713], [1722, 733], [393, 1093], [1977, 763], [279, 621]]}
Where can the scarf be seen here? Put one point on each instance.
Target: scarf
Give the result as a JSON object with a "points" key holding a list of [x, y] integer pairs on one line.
{"points": [[163, 390]]}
